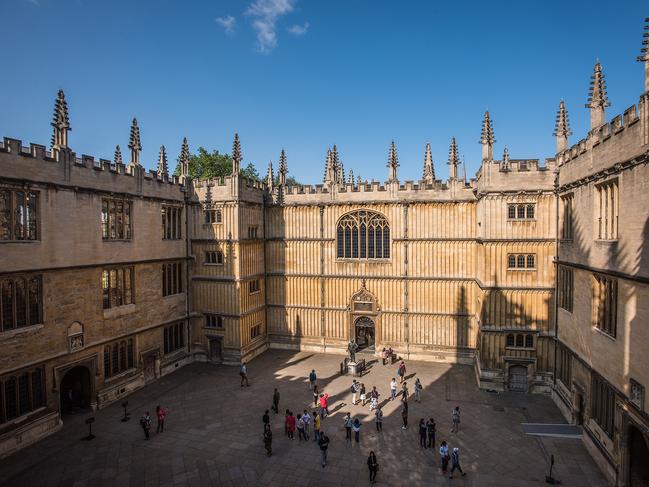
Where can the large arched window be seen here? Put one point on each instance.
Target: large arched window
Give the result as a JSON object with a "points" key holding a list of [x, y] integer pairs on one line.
{"points": [[363, 235]]}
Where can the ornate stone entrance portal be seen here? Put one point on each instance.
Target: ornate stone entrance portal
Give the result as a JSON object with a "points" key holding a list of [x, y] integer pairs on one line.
{"points": [[364, 319], [364, 328]]}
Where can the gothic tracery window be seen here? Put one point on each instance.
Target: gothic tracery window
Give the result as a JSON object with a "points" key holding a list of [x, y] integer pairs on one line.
{"points": [[363, 235]]}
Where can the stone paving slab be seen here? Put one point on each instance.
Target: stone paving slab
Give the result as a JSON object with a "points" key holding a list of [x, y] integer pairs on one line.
{"points": [[213, 435]]}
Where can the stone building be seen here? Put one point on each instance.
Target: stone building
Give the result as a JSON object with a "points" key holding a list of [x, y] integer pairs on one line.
{"points": [[111, 276]]}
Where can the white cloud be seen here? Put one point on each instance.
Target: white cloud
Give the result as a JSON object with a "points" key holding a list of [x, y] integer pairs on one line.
{"points": [[265, 14], [298, 30], [228, 22]]}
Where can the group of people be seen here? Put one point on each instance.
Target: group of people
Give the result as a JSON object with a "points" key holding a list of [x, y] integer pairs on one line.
{"points": [[358, 388], [145, 421]]}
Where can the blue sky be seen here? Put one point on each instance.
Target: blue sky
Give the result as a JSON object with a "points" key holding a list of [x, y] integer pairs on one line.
{"points": [[304, 75]]}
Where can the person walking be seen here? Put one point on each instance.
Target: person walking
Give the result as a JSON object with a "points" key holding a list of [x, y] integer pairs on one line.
{"points": [[384, 356], [404, 415], [357, 429], [374, 398], [243, 372], [418, 389], [312, 379], [276, 401], [354, 390], [268, 440], [265, 419], [348, 423], [378, 419], [363, 395], [443, 453], [323, 443], [393, 389], [290, 425], [145, 422], [373, 466], [300, 428], [430, 430], [161, 414], [422, 433], [402, 371], [404, 392], [324, 405], [456, 420], [455, 462], [306, 417], [286, 415], [316, 426]]}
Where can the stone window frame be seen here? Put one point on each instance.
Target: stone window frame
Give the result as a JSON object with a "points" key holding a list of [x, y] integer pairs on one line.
{"points": [[521, 212], [32, 300], [214, 257], [565, 291], [253, 231], [214, 321], [123, 293], [21, 221], [119, 357], [353, 241], [604, 304], [521, 262], [519, 340], [255, 331], [213, 216], [254, 286], [172, 278], [567, 216], [607, 210], [32, 382], [174, 338], [116, 219], [636, 394], [171, 222], [602, 404]]}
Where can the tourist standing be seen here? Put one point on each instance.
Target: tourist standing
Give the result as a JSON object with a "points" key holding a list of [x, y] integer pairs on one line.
{"points": [[422, 433], [418, 389], [357, 429], [393, 389], [145, 422], [456, 420], [443, 453], [268, 440], [306, 417], [430, 430], [404, 415], [323, 443], [243, 372], [384, 355], [316, 426], [316, 396], [161, 414], [455, 462], [404, 392], [354, 390], [378, 419], [265, 419], [276, 401], [324, 405], [374, 398], [363, 395], [312, 379], [373, 466], [300, 428], [402, 371], [290, 425], [348, 423]]}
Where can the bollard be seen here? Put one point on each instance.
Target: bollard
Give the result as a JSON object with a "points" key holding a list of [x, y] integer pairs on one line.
{"points": [[126, 414], [89, 422]]}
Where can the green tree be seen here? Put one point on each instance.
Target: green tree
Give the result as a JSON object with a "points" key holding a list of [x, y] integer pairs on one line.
{"points": [[250, 171], [206, 164]]}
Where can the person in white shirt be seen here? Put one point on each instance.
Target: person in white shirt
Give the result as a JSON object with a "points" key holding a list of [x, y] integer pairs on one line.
{"points": [[393, 389]]}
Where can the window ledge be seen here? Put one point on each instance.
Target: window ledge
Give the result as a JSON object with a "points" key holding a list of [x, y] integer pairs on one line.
{"points": [[20, 331], [521, 220], [604, 334], [128, 240], [115, 379], [118, 311], [522, 349], [603, 241], [210, 263], [174, 356], [175, 295], [20, 241], [354, 260], [521, 270]]}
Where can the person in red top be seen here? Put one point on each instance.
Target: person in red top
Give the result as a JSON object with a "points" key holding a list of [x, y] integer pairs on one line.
{"points": [[324, 405], [290, 425], [161, 413]]}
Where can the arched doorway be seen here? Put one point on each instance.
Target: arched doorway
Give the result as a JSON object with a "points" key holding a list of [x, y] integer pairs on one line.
{"points": [[364, 332], [75, 390], [518, 378], [638, 456]]}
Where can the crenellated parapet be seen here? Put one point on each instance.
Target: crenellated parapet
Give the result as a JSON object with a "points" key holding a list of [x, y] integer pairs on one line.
{"points": [[515, 175], [220, 189], [63, 167]]}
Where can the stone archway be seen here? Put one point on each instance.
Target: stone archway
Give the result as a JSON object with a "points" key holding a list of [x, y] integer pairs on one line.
{"points": [[364, 319], [638, 451], [364, 332], [75, 390]]}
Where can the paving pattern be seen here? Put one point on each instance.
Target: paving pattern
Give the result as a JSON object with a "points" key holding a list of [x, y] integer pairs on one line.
{"points": [[213, 434]]}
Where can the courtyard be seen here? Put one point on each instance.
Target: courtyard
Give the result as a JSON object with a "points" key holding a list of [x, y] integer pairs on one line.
{"points": [[213, 433]]}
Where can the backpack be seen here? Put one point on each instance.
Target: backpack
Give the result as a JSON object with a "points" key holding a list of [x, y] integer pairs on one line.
{"points": [[353, 388]]}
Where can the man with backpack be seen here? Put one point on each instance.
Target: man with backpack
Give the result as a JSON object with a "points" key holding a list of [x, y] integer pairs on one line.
{"points": [[354, 390], [312, 379], [243, 372], [145, 423], [323, 443]]}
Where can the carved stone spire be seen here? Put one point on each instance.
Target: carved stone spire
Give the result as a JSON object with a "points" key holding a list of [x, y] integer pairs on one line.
{"points": [[393, 163], [60, 122], [329, 171], [350, 180], [117, 158], [270, 177], [562, 128], [163, 167], [504, 164], [463, 170], [208, 195], [283, 169], [453, 159], [429, 169], [644, 55], [358, 180], [340, 170], [597, 97], [336, 166], [134, 143], [184, 160], [236, 155], [487, 138]]}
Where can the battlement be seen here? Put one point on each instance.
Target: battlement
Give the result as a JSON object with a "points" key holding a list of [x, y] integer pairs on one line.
{"points": [[38, 164], [515, 175]]}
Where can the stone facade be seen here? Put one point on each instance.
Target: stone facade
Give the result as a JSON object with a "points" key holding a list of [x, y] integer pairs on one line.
{"points": [[455, 271]]}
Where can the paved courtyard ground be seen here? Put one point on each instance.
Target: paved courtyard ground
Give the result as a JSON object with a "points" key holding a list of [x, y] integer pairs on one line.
{"points": [[213, 434]]}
